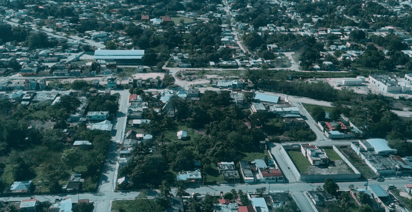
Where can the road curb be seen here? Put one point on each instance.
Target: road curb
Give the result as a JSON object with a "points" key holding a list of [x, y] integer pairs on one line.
{"points": [[305, 193]]}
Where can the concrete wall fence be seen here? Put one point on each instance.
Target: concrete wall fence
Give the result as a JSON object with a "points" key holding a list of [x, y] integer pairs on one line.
{"points": [[321, 178]]}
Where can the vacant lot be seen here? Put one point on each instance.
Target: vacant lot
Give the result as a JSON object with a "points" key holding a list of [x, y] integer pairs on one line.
{"points": [[336, 166], [300, 161], [332, 155], [251, 156], [357, 162]]}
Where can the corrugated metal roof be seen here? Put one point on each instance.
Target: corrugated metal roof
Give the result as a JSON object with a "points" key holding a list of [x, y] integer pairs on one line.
{"points": [[267, 98], [378, 190], [118, 54], [380, 145]]}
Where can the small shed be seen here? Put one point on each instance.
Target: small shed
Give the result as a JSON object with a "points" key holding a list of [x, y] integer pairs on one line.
{"points": [[182, 135]]}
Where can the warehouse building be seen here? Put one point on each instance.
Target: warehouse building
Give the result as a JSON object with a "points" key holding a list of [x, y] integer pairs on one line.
{"points": [[121, 57]]}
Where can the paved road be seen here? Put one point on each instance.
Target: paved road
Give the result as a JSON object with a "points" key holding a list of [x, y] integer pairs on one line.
{"points": [[302, 201], [282, 163], [109, 174], [291, 187]]}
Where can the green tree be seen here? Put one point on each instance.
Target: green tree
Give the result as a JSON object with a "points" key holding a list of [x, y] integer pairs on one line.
{"points": [[83, 207], [330, 186], [181, 191], [110, 45], [365, 208], [318, 113], [39, 39], [252, 41]]}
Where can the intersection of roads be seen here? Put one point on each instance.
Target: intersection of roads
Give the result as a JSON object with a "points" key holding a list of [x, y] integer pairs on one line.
{"points": [[106, 187]]}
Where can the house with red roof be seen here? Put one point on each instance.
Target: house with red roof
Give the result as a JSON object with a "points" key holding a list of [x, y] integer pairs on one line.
{"points": [[166, 19], [145, 17], [224, 201], [248, 208]]}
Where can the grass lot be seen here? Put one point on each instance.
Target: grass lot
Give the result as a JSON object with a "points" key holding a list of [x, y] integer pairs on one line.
{"points": [[133, 205], [172, 134], [332, 155], [176, 20], [300, 161], [251, 156], [310, 108], [357, 162], [127, 72], [212, 175]]}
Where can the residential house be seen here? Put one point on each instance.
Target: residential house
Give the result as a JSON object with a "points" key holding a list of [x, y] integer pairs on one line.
{"points": [[257, 107], [248, 208], [74, 184], [62, 206], [83, 144], [246, 171], [225, 206], [140, 122], [123, 181], [315, 155], [229, 172], [21, 186], [259, 204], [192, 177], [105, 125], [28, 205], [97, 115]]}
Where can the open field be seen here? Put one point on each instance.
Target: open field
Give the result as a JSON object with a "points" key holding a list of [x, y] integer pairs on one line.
{"points": [[176, 20], [251, 156]]}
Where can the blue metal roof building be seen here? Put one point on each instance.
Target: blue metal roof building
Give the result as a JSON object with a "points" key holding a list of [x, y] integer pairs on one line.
{"points": [[125, 57], [378, 191], [259, 204], [267, 98], [381, 147]]}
